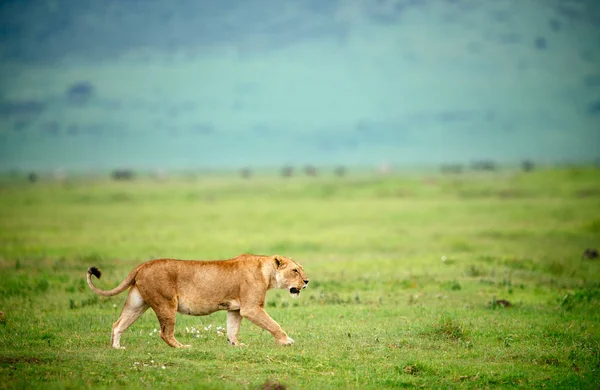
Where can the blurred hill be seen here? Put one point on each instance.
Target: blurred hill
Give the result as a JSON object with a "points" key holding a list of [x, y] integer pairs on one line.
{"points": [[182, 84]]}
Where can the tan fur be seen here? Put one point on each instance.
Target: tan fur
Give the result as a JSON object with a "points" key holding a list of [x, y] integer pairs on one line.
{"points": [[200, 288]]}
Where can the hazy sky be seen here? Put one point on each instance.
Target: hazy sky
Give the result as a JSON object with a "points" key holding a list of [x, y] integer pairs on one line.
{"points": [[265, 83]]}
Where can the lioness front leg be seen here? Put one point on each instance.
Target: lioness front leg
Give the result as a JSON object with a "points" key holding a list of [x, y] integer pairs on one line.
{"points": [[259, 316], [234, 319]]}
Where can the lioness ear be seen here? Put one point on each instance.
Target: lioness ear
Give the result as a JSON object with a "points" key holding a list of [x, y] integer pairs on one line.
{"points": [[278, 261]]}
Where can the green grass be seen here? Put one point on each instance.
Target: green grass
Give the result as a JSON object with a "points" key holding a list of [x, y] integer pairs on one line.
{"points": [[406, 272]]}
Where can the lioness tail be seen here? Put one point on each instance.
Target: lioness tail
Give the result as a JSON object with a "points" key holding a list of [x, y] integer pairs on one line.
{"points": [[124, 285], [95, 271]]}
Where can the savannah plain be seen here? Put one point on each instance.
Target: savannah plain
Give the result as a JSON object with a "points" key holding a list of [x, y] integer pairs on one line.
{"points": [[471, 280]]}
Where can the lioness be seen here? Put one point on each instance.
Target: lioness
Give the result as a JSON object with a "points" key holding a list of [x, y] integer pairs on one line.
{"points": [[238, 285]]}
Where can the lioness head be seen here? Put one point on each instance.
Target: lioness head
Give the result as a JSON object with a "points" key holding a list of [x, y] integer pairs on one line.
{"points": [[289, 275]]}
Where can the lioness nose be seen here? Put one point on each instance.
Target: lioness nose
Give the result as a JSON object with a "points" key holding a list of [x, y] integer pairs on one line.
{"points": [[306, 281]]}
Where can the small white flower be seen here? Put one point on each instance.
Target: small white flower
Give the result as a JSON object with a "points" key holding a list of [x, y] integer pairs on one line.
{"points": [[155, 330], [163, 367], [151, 361], [114, 305], [136, 362]]}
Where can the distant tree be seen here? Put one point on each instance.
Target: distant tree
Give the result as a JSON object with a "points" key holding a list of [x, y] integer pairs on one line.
{"points": [[32, 177], [541, 43], [80, 92], [483, 165], [310, 170], [287, 171], [122, 174], [246, 173], [527, 165], [451, 168], [21, 109], [340, 171]]}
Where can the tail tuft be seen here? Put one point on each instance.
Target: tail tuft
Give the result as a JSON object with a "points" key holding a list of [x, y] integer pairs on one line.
{"points": [[95, 271]]}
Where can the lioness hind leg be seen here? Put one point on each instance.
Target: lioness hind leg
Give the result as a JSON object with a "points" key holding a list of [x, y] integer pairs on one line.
{"points": [[166, 318], [167, 331], [134, 307]]}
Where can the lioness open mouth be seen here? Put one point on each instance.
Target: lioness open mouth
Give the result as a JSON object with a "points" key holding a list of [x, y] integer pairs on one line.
{"points": [[294, 291]]}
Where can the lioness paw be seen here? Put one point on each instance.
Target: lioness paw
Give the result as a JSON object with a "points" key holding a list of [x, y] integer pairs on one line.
{"points": [[287, 341], [236, 343]]}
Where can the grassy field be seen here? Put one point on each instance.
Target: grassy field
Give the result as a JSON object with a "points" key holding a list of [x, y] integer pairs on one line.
{"points": [[408, 276]]}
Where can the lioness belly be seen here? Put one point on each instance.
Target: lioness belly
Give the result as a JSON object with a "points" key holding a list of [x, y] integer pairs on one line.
{"points": [[195, 308]]}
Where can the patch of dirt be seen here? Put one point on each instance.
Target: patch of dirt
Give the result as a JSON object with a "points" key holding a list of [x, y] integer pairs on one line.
{"points": [[10, 360], [273, 385]]}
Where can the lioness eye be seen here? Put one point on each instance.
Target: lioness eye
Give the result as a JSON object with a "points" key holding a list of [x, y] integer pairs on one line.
{"points": [[296, 271]]}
